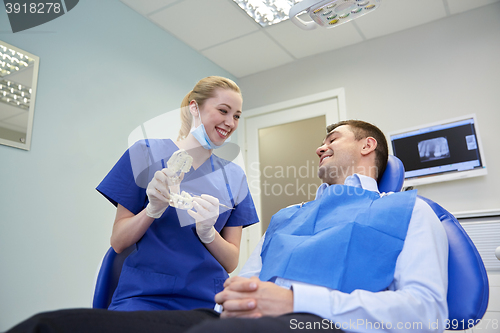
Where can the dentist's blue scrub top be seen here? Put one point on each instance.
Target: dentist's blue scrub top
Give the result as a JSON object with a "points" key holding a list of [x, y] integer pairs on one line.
{"points": [[171, 268]]}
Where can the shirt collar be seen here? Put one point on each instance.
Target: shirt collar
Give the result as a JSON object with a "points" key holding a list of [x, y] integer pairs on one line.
{"points": [[356, 180]]}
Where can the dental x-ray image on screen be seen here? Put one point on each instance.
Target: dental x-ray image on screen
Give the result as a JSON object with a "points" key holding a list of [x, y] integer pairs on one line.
{"points": [[471, 142], [441, 151], [433, 149]]}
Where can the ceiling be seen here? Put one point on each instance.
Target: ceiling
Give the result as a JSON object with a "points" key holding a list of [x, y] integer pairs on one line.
{"points": [[226, 35]]}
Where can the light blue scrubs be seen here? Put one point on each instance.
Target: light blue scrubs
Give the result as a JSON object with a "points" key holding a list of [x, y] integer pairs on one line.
{"points": [[171, 268]]}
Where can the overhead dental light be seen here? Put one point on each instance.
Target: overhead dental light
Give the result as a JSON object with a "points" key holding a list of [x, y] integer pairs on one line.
{"points": [[267, 12], [330, 13]]}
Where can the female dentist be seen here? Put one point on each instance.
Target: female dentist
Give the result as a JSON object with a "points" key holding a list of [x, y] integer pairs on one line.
{"points": [[182, 258]]}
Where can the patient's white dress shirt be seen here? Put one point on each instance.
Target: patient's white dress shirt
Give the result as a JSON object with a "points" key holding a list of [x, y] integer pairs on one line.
{"points": [[415, 301]]}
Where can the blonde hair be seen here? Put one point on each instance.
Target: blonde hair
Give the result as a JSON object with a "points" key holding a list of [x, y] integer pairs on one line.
{"points": [[203, 90]]}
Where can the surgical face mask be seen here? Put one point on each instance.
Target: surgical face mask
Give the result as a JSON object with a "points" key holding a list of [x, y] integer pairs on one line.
{"points": [[201, 135]]}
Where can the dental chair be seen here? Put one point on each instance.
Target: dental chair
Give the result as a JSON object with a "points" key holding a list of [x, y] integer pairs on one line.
{"points": [[468, 289], [107, 278]]}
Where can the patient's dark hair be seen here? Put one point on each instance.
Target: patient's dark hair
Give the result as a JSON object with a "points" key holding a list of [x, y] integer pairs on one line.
{"points": [[361, 130]]}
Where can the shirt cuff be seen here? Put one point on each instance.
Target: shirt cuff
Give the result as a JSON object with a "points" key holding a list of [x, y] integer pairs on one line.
{"points": [[311, 299]]}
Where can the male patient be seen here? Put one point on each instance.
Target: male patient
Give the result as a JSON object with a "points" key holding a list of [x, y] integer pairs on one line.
{"points": [[353, 260]]}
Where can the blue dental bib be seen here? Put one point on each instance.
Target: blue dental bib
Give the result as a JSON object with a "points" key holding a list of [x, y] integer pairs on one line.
{"points": [[347, 239]]}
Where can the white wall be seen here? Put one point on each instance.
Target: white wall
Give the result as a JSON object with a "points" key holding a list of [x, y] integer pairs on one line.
{"points": [[429, 73], [104, 70]]}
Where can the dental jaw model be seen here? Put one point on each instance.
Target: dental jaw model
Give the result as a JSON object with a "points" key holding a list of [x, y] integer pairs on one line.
{"points": [[181, 201], [180, 162]]}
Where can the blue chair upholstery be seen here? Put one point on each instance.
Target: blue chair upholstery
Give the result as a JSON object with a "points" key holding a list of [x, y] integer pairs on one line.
{"points": [[107, 278], [393, 177], [468, 289]]}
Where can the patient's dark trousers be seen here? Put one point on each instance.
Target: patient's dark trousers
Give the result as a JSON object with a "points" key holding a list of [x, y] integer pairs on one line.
{"points": [[195, 321]]}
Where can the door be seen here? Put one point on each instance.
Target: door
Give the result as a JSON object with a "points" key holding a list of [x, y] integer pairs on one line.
{"points": [[279, 144]]}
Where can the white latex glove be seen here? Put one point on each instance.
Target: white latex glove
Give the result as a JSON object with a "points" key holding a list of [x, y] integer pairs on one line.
{"points": [[158, 193], [207, 212]]}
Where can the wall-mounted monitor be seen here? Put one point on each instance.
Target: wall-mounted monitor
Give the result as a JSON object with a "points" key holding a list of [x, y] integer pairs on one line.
{"points": [[442, 151]]}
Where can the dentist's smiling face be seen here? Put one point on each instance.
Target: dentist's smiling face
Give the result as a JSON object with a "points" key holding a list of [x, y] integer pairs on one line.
{"points": [[220, 114], [339, 155]]}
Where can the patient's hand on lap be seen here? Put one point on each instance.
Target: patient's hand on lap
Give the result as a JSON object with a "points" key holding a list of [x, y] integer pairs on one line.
{"points": [[252, 298]]}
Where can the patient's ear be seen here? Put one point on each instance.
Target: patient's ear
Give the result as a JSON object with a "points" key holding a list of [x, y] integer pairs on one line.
{"points": [[369, 145]]}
